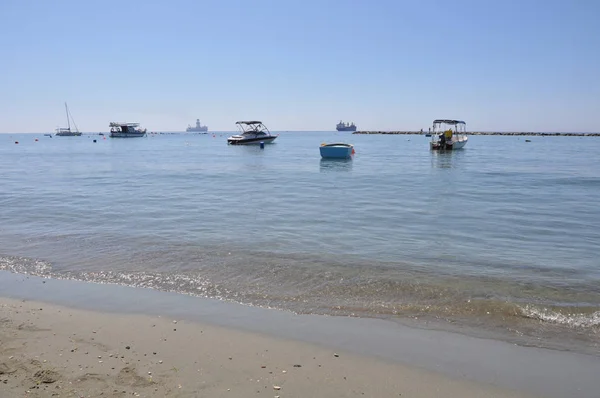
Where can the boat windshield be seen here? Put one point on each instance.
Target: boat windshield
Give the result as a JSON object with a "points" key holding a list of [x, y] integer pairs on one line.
{"points": [[125, 127]]}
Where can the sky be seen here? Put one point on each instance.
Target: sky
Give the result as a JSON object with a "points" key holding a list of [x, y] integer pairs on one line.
{"points": [[510, 65]]}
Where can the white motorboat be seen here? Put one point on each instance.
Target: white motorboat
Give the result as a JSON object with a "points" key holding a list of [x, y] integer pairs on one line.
{"points": [[251, 132], [126, 130], [448, 135]]}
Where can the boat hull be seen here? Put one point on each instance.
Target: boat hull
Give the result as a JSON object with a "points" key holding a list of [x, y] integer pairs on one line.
{"points": [[352, 128], [250, 141], [438, 146], [126, 135], [68, 134], [336, 151], [460, 144]]}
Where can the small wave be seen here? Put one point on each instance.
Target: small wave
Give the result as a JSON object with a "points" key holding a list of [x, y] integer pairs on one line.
{"points": [[23, 265], [333, 297], [580, 320]]}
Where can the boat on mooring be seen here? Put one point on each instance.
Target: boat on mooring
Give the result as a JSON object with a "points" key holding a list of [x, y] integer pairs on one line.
{"points": [[66, 131], [251, 132], [126, 130], [448, 135], [336, 150]]}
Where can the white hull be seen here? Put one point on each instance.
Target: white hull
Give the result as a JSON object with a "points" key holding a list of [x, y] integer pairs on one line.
{"points": [[458, 144], [250, 141], [126, 135]]}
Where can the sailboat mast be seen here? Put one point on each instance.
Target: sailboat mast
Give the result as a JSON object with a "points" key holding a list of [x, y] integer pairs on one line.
{"points": [[68, 121]]}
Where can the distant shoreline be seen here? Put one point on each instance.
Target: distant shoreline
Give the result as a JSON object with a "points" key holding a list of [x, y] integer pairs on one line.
{"points": [[488, 133]]}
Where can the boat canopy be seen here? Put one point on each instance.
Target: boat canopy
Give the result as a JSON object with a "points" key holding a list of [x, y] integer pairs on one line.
{"points": [[115, 124], [440, 125], [252, 127], [448, 121]]}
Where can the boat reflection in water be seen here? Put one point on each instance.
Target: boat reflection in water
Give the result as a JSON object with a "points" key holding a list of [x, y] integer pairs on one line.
{"points": [[332, 165], [446, 159]]}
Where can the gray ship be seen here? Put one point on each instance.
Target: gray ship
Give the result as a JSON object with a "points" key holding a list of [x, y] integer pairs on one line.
{"points": [[198, 129], [341, 126]]}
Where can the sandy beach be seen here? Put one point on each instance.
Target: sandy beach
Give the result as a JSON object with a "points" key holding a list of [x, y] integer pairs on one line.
{"points": [[53, 351]]}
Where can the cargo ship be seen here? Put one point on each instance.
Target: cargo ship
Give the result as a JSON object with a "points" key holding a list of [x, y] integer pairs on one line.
{"points": [[341, 126]]}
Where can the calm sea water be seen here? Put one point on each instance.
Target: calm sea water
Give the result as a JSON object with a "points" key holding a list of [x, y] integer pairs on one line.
{"points": [[502, 237]]}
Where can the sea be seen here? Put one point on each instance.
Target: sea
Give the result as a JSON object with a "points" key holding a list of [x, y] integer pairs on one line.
{"points": [[499, 240]]}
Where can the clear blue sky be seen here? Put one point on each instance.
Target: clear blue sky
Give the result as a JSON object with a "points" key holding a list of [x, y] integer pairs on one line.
{"points": [[300, 64]]}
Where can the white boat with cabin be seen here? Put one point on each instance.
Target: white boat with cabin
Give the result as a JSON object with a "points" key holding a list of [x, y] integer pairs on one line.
{"points": [[448, 135], [126, 130], [251, 132]]}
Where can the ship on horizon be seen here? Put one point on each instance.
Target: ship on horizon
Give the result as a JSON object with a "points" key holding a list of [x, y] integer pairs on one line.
{"points": [[341, 126], [198, 128]]}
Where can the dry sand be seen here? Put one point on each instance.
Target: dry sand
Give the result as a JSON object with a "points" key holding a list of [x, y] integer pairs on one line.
{"points": [[52, 351]]}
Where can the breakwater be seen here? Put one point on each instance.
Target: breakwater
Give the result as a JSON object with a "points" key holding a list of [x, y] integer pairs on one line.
{"points": [[520, 133]]}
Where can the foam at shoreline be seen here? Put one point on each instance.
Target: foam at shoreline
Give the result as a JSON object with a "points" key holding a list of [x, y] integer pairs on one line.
{"points": [[450, 304], [482, 360]]}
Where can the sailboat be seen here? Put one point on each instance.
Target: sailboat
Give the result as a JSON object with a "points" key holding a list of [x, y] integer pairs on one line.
{"points": [[66, 132]]}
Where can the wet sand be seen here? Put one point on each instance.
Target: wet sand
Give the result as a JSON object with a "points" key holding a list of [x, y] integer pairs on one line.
{"points": [[380, 357], [53, 351]]}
